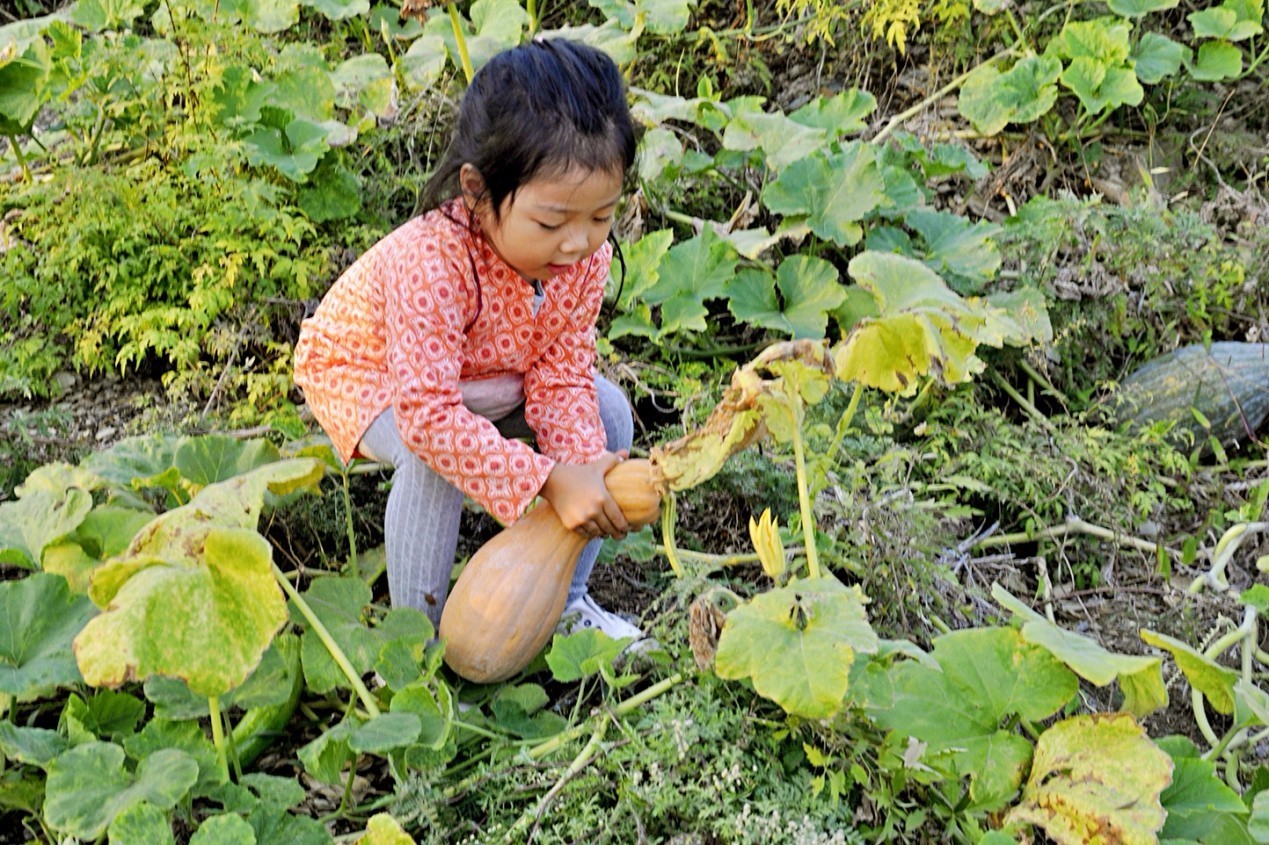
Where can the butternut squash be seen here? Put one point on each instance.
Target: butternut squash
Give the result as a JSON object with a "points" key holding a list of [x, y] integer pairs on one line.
{"points": [[509, 598]]}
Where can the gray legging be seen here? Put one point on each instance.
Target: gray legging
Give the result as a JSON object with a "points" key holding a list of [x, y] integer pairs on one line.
{"points": [[421, 523]]}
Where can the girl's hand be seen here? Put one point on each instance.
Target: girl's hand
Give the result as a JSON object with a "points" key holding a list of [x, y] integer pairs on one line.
{"points": [[581, 499]]}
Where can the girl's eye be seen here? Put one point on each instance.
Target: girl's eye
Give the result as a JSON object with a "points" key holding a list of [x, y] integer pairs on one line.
{"points": [[549, 226], [604, 220]]}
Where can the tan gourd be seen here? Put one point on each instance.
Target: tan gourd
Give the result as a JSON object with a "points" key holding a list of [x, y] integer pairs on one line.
{"points": [[509, 598]]}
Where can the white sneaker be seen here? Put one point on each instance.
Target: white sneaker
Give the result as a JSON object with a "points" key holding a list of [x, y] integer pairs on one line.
{"points": [[583, 613]]}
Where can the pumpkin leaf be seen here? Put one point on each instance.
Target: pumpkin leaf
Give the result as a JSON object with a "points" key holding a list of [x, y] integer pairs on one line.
{"points": [[1156, 57], [921, 327], [839, 114], [985, 675], [691, 273], [32, 746], [804, 293], [576, 656], [832, 192], [1214, 681], [1216, 60], [88, 786], [39, 618], [37, 520], [797, 644], [383, 829], [341, 604], [1140, 8], [1096, 773], [207, 622], [141, 824], [991, 100], [1140, 678], [211, 458], [1199, 804], [226, 829]]}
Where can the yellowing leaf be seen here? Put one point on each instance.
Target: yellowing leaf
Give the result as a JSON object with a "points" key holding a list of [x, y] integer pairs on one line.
{"points": [[737, 422], [384, 830], [1140, 678], [1096, 779]]}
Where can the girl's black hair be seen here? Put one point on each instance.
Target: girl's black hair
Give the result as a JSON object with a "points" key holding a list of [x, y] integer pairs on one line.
{"points": [[536, 109]]}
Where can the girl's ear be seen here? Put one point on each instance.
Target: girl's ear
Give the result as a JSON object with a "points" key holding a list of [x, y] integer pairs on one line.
{"points": [[472, 185]]}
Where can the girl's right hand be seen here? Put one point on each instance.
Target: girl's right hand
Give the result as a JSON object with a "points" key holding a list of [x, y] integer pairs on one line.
{"points": [[581, 499]]}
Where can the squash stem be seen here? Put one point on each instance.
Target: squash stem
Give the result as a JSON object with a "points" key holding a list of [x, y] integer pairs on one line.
{"points": [[843, 424], [667, 535], [341, 659], [804, 497], [218, 736]]}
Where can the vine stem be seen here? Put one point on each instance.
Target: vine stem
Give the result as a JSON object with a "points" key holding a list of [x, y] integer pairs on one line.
{"points": [[218, 736], [463, 56], [804, 496], [1073, 525], [17, 151], [899, 119], [580, 762], [843, 424], [341, 659], [558, 741]]}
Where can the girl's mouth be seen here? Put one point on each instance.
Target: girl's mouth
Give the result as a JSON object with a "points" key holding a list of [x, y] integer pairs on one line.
{"points": [[558, 268]]}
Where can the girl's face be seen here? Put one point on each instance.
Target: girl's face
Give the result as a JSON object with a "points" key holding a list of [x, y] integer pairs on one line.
{"points": [[551, 222]]}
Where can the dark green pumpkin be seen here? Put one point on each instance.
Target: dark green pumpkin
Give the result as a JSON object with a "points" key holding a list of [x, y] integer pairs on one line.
{"points": [[1227, 383]]}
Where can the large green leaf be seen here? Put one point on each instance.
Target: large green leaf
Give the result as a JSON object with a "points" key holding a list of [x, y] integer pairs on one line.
{"points": [[176, 536], [781, 139], [1140, 678], [691, 273], [797, 644], [797, 301], [1200, 805], [954, 245], [1232, 20], [37, 520], [839, 114], [1140, 8], [141, 824], [1096, 777], [39, 617], [1105, 40], [991, 100], [88, 786], [293, 150], [342, 605], [23, 86], [1156, 57], [218, 457], [986, 675], [1214, 681], [1101, 87], [831, 191], [1217, 60]]}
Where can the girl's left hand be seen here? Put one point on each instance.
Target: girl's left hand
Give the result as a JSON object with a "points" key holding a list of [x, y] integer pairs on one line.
{"points": [[581, 499]]}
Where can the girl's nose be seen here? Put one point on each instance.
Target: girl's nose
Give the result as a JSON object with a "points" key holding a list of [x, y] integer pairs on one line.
{"points": [[575, 240]]}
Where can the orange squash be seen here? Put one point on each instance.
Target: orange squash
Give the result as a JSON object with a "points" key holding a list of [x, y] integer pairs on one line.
{"points": [[508, 600]]}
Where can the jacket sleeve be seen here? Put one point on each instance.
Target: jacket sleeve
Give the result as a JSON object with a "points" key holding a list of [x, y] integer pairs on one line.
{"points": [[427, 302], [559, 390]]}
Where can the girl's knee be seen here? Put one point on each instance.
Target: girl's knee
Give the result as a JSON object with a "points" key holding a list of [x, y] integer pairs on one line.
{"points": [[615, 413]]}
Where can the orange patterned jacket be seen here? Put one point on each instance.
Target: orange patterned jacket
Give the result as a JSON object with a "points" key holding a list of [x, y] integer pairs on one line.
{"points": [[432, 304]]}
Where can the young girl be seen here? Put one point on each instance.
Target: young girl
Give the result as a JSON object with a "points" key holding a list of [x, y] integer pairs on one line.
{"points": [[473, 325]]}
